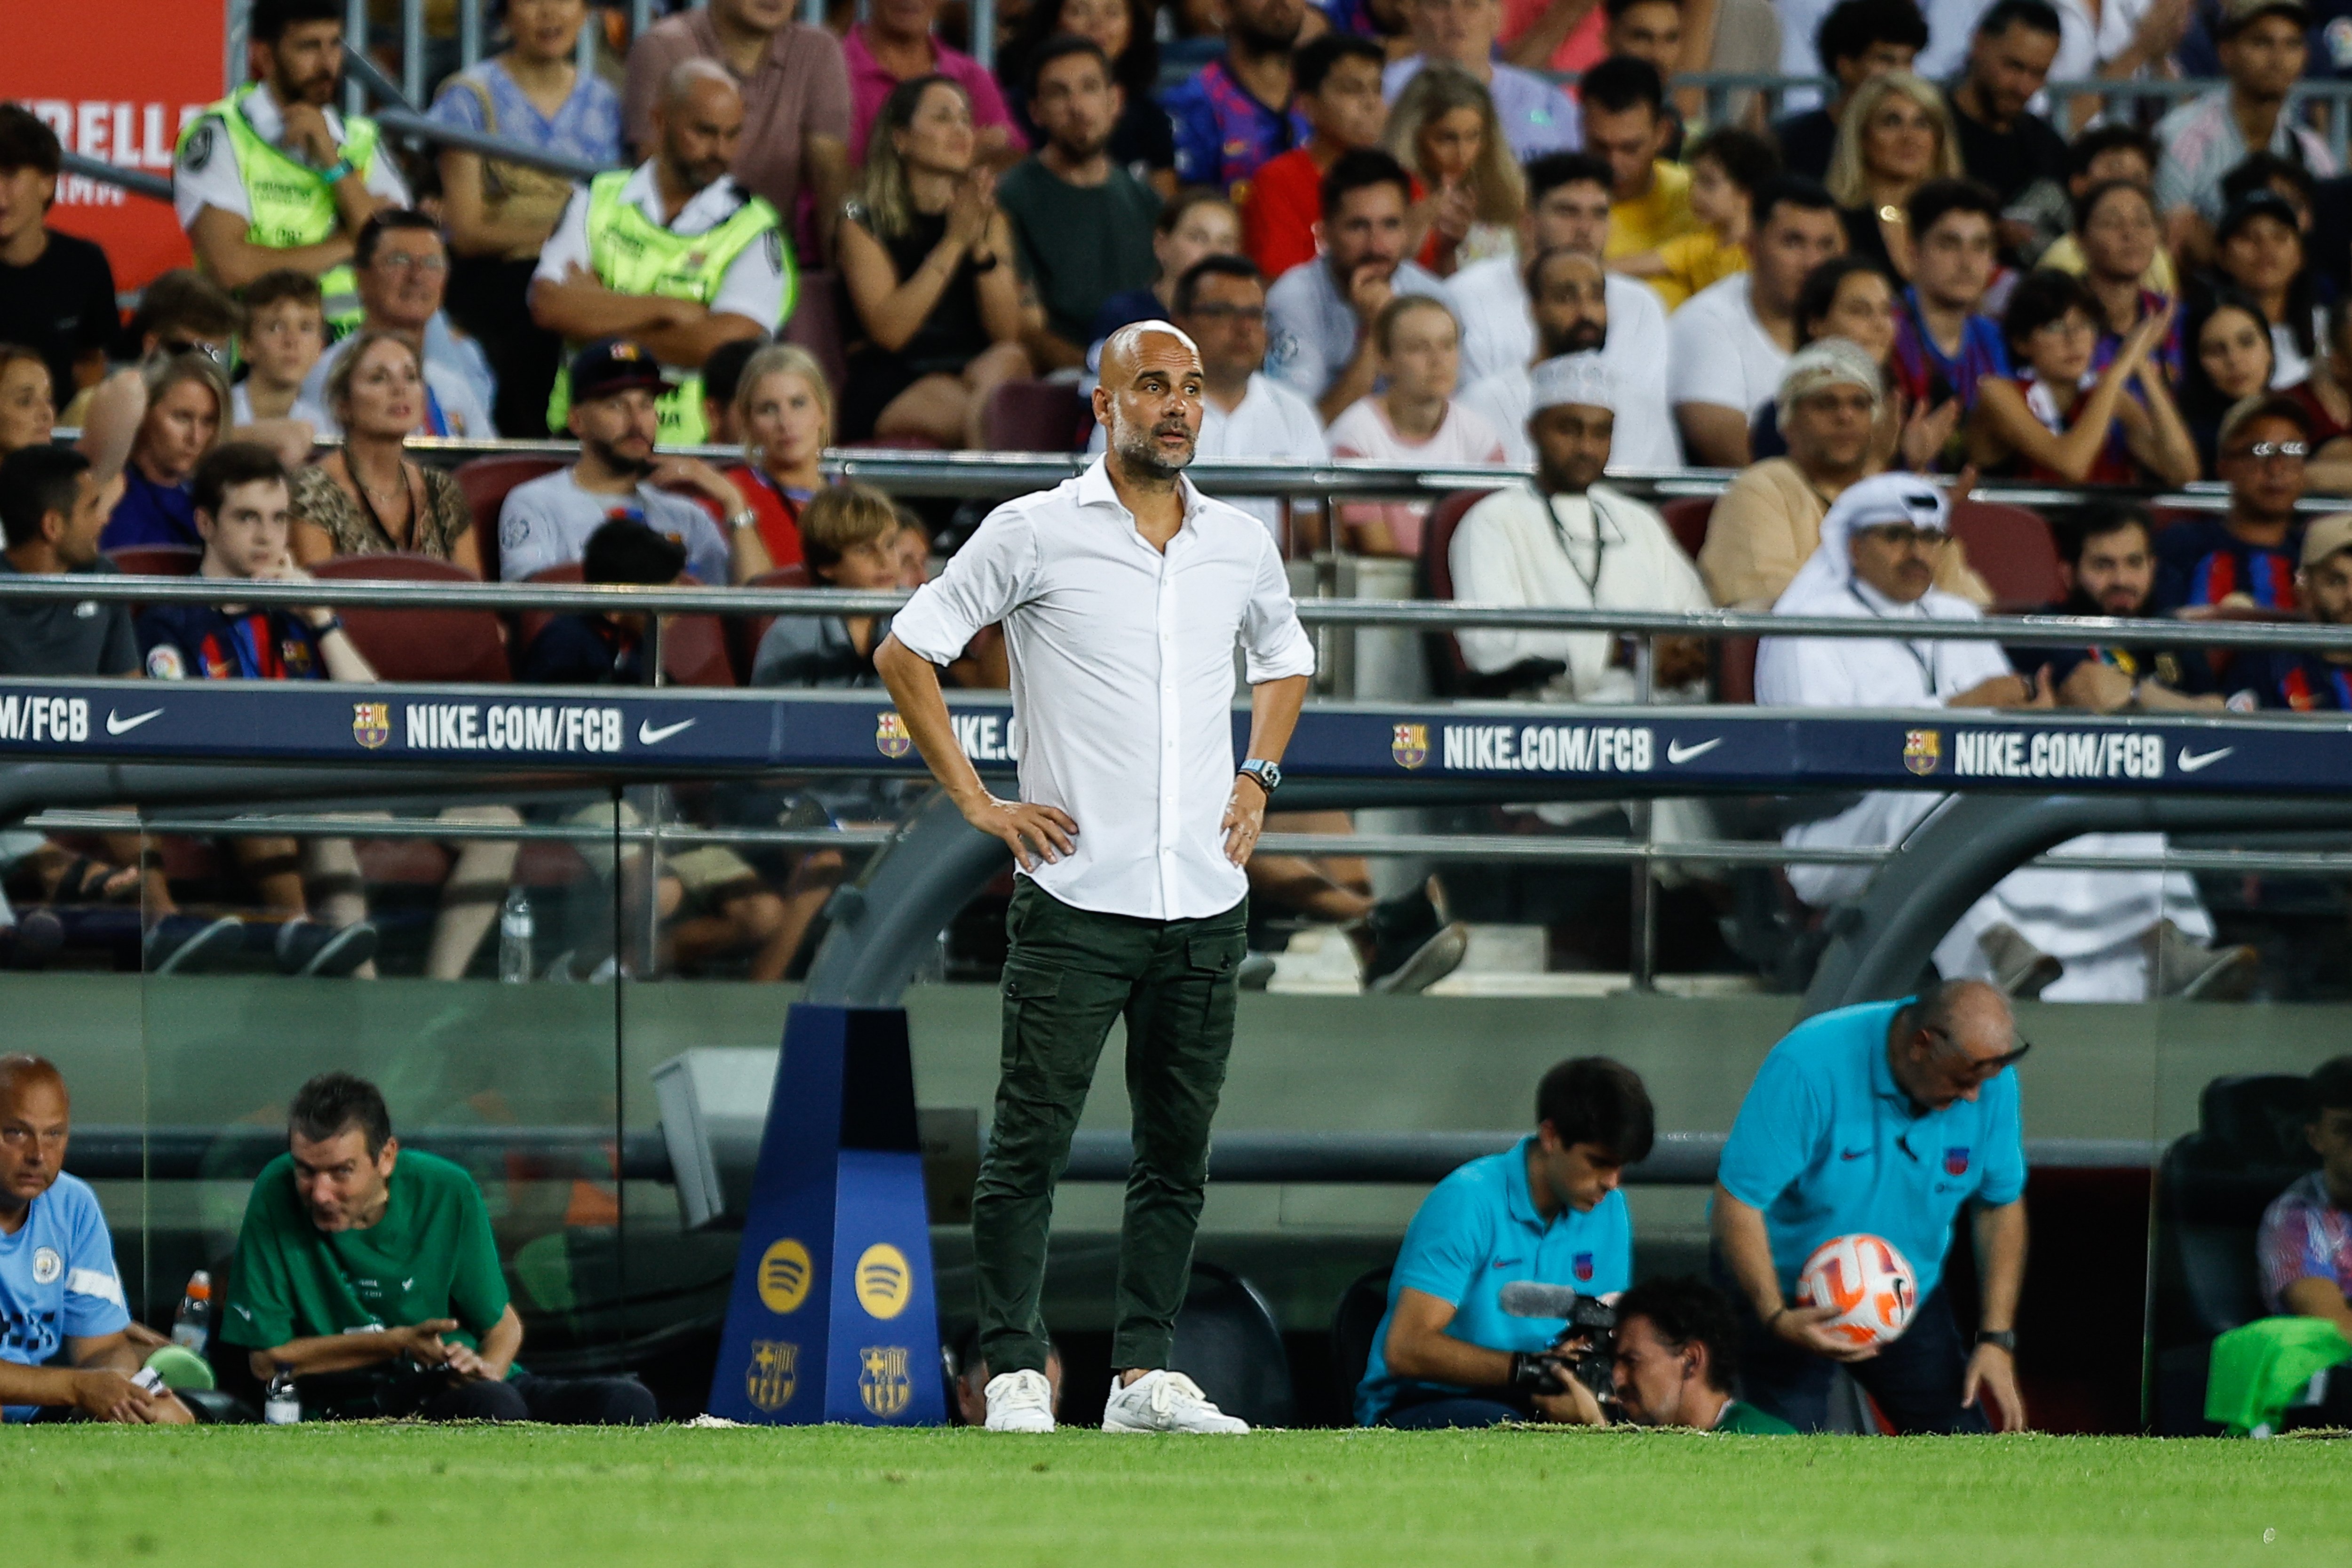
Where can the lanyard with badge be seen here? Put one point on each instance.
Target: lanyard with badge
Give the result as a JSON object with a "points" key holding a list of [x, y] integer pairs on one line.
{"points": [[1926, 661]]}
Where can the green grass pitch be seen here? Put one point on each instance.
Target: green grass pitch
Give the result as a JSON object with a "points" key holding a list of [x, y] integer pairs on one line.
{"points": [[680, 1497]]}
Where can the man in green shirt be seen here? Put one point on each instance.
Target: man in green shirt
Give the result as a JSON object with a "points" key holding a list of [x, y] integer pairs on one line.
{"points": [[370, 1273], [1677, 1350]]}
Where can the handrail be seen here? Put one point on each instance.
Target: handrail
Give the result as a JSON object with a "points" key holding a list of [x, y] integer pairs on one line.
{"points": [[2037, 631]]}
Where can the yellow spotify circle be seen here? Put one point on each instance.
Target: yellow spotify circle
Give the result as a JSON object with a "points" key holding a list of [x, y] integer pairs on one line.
{"points": [[785, 1275], [884, 1282]]}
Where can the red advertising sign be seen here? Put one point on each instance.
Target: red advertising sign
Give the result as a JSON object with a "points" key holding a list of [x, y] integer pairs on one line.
{"points": [[117, 81]]}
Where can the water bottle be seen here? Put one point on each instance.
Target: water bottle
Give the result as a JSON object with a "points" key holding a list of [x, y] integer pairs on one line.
{"points": [[283, 1407], [515, 929], [192, 1325]]}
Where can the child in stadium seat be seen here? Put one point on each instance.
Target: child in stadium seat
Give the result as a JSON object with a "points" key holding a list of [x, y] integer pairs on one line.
{"points": [[850, 533], [1416, 422], [285, 334]]}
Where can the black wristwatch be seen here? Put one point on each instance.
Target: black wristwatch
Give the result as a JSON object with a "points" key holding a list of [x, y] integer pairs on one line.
{"points": [[1267, 775], [2000, 1338]]}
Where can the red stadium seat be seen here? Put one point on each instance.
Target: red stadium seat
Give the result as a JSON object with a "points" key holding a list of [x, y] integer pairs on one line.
{"points": [[2011, 549], [1686, 520], [1734, 669], [694, 648], [1034, 417], [421, 645], [744, 632], [157, 560], [815, 324], [484, 481], [1448, 672]]}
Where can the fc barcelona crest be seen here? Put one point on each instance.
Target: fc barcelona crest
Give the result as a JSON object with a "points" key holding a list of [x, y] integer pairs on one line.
{"points": [[890, 736], [773, 1374], [1410, 745], [882, 1381], [371, 724], [1922, 750]]}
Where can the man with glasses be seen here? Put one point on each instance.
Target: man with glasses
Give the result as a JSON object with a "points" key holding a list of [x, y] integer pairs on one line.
{"points": [[403, 271], [1882, 1119], [1245, 413], [2245, 559]]}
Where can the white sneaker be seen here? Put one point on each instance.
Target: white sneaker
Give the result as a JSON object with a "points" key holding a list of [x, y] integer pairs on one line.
{"points": [[1019, 1402], [1164, 1401]]}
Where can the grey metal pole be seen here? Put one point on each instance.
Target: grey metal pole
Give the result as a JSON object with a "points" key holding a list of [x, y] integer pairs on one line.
{"points": [[641, 17], [412, 50], [1642, 963], [355, 42], [238, 29], [469, 33], [983, 37], [813, 12], [584, 57]]}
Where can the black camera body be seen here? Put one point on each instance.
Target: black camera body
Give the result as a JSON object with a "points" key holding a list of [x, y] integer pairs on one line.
{"points": [[1588, 1346]]}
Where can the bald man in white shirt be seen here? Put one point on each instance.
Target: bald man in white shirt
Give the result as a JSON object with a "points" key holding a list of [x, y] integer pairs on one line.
{"points": [[1122, 593]]}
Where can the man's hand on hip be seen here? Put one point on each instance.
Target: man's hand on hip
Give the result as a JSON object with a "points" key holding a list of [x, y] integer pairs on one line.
{"points": [[1244, 818], [1807, 1329], [1044, 831], [1992, 1372]]}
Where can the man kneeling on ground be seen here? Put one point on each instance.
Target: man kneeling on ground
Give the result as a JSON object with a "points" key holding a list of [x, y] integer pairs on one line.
{"points": [[369, 1271], [1677, 1356]]}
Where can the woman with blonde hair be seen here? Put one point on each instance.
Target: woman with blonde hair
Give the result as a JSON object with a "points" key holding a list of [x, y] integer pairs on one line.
{"points": [[1895, 137], [1444, 130], [784, 409], [185, 415], [367, 497]]}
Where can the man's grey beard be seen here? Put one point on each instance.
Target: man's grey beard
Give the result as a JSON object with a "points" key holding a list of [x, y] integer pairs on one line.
{"points": [[1141, 458]]}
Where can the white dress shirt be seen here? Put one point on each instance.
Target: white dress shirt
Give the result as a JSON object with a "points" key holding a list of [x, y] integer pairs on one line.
{"points": [[1122, 679], [1498, 343]]}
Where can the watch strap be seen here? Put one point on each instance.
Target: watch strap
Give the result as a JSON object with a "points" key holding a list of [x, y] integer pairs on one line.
{"points": [[2000, 1339]]}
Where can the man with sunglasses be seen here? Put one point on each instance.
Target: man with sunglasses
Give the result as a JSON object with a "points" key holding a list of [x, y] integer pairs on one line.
{"points": [[1882, 1119], [2247, 557]]}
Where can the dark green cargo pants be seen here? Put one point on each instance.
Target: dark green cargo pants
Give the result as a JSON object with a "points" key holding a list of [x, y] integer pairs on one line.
{"points": [[1070, 973]]}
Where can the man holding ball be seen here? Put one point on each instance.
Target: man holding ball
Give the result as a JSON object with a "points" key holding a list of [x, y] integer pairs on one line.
{"points": [[1881, 1119], [1122, 593]]}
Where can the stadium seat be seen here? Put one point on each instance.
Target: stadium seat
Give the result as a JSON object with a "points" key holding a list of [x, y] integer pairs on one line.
{"points": [[484, 482], [815, 324], [1034, 417], [420, 645], [1354, 1322], [1229, 1341], [1734, 669], [157, 560], [2011, 549], [694, 648], [1687, 518], [744, 632], [1450, 673]]}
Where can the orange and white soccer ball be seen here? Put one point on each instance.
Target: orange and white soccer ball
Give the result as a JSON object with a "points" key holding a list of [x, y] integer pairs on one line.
{"points": [[1868, 1281]]}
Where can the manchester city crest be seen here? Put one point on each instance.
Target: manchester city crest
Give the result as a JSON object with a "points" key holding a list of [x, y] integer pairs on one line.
{"points": [[371, 724], [1922, 750], [882, 1381]]}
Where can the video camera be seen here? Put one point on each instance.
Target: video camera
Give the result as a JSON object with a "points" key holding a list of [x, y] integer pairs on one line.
{"points": [[1587, 1348]]}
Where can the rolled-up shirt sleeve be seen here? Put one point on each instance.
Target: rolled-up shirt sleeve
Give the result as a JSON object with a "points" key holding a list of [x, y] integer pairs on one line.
{"points": [[1277, 646], [982, 584]]}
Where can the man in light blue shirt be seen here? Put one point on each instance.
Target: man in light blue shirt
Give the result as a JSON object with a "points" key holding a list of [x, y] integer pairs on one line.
{"points": [[1882, 1119], [1546, 1210]]}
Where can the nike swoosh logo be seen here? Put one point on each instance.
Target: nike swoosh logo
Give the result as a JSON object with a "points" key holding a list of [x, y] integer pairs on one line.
{"points": [[647, 735], [117, 725], [1678, 753], [2190, 762]]}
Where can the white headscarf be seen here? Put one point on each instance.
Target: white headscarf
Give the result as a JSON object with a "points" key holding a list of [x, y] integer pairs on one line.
{"points": [[1821, 585]]}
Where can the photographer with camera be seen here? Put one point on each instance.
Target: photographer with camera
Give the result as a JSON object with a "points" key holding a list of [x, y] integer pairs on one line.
{"points": [[1545, 1212], [1677, 1353]]}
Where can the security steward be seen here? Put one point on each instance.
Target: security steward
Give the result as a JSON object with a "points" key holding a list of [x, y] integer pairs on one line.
{"points": [[672, 255], [271, 176], [1124, 593]]}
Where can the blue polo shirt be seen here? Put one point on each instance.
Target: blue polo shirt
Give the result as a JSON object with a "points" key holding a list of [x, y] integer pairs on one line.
{"points": [[56, 1281], [1828, 1144], [1477, 1232]]}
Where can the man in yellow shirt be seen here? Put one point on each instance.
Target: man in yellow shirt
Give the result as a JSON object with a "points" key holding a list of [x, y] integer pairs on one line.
{"points": [[1625, 122]]}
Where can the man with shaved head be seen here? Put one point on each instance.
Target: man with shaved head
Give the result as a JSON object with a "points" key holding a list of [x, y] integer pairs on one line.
{"points": [[58, 1289], [1881, 1119], [1123, 594], [672, 255]]}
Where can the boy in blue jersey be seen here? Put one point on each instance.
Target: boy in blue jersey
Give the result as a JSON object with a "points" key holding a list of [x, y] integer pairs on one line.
{"points": [[58, 1290], [1547, 1210], [1882, 1119]]}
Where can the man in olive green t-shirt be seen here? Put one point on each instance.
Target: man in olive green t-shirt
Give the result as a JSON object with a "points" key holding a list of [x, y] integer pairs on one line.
{"points": [[1677, 1348], [370, 1273]]}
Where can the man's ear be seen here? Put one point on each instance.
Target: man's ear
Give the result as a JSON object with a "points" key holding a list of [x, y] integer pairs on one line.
{"points": [[387, 1157], [54, 525]]}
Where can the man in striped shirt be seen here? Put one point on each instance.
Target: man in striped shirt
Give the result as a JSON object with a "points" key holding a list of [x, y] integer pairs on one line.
{"points": [[2304, 1247]]}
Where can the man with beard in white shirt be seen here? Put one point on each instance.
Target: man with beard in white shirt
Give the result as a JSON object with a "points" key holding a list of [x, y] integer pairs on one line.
{"points": [[1567, 209]]}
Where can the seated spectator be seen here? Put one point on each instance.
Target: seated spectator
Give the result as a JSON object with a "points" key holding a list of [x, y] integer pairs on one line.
{"points": [[53, 507], [1414, 422], [2100, 155], [927, 254], [2262, 52], [56, 290], [2314, 682], [548, 522], [678, 219], [1502, 335], [366, 496], [1856, 41], [2228, 355], [1143, 143], [1548, 1211], [1625, 122], [783, 408], [28, 416], [2040, 423], [2064, 935], [370, 1272], [1731, 342], [1319, 313], [499, 214], [1726, 166], [2115, 227], [1650, 31], [2247, 558], [1569, 297], [1678, 1360], [1852, 297], [1442, 128], [1082, 224], [403, 271], [1198, 223], [722, 378], [1944, 343], [1829, 411], [1244, 413], [2259, 250], [1237, 111], [2107, 560], [894, 45], [69, 1345], [1572, 542], [1537, 117], [186, 402], [2304, 1246], [240, 501], [605, 647], [180, 312], [1895, 136], [1338, 93], [285, 334], [2003, 144], [849, 532]]}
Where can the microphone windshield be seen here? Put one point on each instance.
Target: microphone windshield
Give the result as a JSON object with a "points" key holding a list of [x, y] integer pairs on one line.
{"points": [[1528, 1299]]}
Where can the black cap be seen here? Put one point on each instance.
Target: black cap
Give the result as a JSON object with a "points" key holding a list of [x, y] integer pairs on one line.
{"points": [[2263, 203], [611, 365]]}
